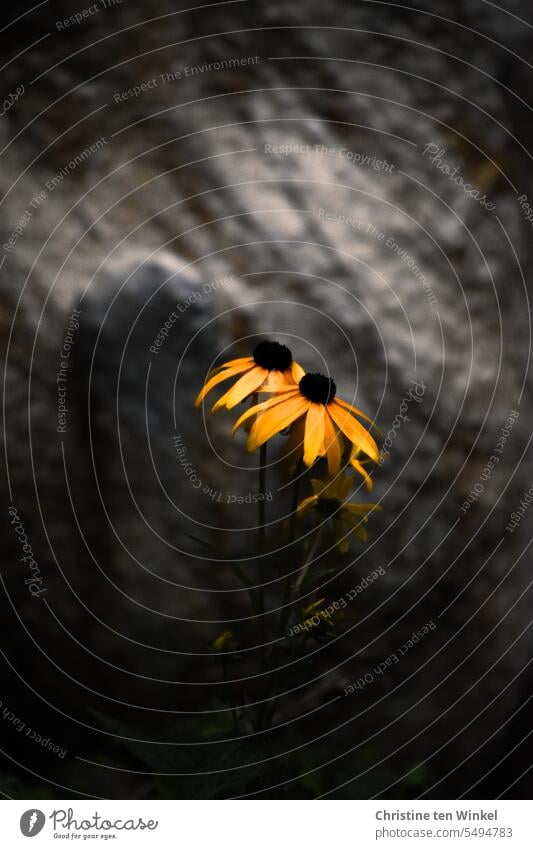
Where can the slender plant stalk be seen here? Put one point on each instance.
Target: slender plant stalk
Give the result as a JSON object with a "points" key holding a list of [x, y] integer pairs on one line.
{"points": [[308, 560], [285, 605], [261, 523], [288, 589], [261, 590], [232, 708], [285, 612], [295, 499], [262, 492], [292, 534]]}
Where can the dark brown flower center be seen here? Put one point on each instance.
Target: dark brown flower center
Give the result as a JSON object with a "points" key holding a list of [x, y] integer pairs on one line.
{"points": [[329, 506], [317, 388], [273, 356]]}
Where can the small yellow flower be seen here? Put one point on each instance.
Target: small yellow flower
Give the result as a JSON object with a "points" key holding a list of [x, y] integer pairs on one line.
{"points": [[318, 610], [319, 421], [329, 500], [225, 642], [270, 368], [314, 607]]}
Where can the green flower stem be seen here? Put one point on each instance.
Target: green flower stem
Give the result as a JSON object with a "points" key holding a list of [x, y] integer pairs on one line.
{"points": [[308, 560], [295, 500], [268, 713], [288, 592], [262, 490], [262, 539], [229, 695], [285, 605], [261, 524], [292, 534], [252, 594]]}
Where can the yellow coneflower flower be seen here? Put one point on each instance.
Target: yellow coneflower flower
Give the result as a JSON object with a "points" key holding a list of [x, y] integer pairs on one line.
{"points": [[319, 421], [329, 500], [271, 367]]}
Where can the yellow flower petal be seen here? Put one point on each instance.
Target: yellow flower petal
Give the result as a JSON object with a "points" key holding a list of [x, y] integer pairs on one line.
{"points": [[273, 420], [238, 362], [306, 504], [343, 486], [257, 409], [357, 524], [362, 509], [362, 471], [361, 533], [335, 490], [353, 430], [297, 372], [358, 413], [314, 606], [214, 381], [314, 433], [278, 380], [332, 445], [247, 384], [283, 390]]}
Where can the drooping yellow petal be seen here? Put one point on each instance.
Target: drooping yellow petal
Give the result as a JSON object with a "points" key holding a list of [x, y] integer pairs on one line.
{"points": [[361, 533], [288, 389], [353, 430], [257, 409], [314, 433], [332, 445], [314, 607], [243, 387], [362, 471], [336, 489], [273, 420], [362, 509], [221, 376], [306, 504], [343, 485], [357, 524], [238, 362], [358, 413]]}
